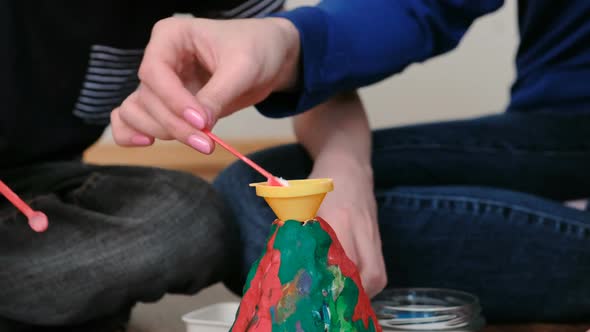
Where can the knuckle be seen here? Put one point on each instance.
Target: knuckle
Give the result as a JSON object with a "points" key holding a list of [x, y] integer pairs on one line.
{"points": [[141, 93], [118, 137], [245, 59], [160, 133], [144, 73], [162, 25], [382, 282], [115, 115], [165, 136], [141, 99], [171, 127], [117, 122], [352, 256], [209, 101], [127, 107], [376, 279]]}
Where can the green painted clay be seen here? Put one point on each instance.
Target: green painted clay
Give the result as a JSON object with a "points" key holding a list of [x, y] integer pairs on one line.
{"points": [[315, 296]]}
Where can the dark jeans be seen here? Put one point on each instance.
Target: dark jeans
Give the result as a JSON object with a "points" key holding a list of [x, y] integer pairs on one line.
{"points": [[474, 205], [117, 235]]}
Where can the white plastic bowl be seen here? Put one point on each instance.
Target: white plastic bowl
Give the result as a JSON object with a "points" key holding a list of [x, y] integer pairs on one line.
{"points": [[214, 318]]}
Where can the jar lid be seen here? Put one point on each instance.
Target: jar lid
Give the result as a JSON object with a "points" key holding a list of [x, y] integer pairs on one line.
{"points": [[428, 309]]}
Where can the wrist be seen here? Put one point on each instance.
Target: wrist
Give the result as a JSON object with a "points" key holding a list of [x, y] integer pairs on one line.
{"points": [[290, 39], [335, 163]]}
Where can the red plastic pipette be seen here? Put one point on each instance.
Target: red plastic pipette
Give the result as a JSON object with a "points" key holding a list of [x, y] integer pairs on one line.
{"points": [[272, 180], [37, 219]]}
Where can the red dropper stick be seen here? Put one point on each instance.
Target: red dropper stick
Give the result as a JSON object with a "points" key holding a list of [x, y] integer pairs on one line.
{"points": [[37, 219], [272, 180]]}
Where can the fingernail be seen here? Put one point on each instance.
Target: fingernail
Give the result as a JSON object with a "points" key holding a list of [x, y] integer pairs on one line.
{"points": [[199, 144], [141, 140], [194, 118]]}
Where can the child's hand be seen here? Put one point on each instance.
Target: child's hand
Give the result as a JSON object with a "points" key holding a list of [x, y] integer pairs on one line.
{"points": [[196, 71], [351, 210], [336, 135]]}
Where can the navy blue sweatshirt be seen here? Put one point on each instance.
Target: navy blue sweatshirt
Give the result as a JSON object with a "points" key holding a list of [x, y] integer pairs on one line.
{"points": [[347, 44]]}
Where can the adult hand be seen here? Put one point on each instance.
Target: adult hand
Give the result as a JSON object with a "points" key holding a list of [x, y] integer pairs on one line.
{"points": [[196, 71], [351, 210]]}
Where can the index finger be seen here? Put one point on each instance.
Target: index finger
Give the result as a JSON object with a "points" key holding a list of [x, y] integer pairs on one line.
{"points": [[166, 48]]}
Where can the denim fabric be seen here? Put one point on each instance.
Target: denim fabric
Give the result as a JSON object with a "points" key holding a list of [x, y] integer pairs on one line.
{"points": [[117, 235], [474, 205]]}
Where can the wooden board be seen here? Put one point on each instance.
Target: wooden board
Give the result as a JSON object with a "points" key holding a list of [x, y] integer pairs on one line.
{"points": [[174, 156]]}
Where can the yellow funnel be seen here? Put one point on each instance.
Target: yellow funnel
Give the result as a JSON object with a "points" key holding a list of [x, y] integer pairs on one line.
{"points": [[299, 201]]}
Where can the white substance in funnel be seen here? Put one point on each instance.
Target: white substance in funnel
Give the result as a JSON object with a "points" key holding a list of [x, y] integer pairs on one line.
{"points": [[283, 182]]}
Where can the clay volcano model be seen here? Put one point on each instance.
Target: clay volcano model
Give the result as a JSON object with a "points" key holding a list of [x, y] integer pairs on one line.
{"points": [[304, 282]]}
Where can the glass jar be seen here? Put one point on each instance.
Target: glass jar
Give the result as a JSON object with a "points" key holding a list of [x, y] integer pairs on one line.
{"points": [[428, 309]]}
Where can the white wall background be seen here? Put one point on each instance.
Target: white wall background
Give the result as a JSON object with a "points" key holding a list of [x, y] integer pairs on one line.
{"points": [[472, 80]]}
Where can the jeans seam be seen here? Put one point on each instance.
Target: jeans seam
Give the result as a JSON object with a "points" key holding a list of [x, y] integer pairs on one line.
{"points": [[90, 182], [584, 229]]}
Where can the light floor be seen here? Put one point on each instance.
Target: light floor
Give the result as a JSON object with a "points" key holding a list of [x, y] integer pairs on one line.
{"points": [[165, 315]]}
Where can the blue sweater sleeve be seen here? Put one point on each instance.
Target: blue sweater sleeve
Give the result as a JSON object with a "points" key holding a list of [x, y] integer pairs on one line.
{"points": [[348, 44]]}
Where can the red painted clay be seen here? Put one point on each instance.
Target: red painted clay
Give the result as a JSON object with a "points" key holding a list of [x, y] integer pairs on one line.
{"points": [[265, 292], [337, 256]]}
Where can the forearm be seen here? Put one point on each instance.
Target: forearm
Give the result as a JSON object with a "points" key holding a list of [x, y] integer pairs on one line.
{"points": [[350, 44], [336, 131]]}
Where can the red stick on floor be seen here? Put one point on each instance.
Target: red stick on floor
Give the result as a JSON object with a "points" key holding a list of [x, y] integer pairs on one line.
{"points": [[37, 219]]}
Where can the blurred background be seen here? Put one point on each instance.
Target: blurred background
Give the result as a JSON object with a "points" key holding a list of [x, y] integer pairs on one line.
{"points": [[472, 80]]}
